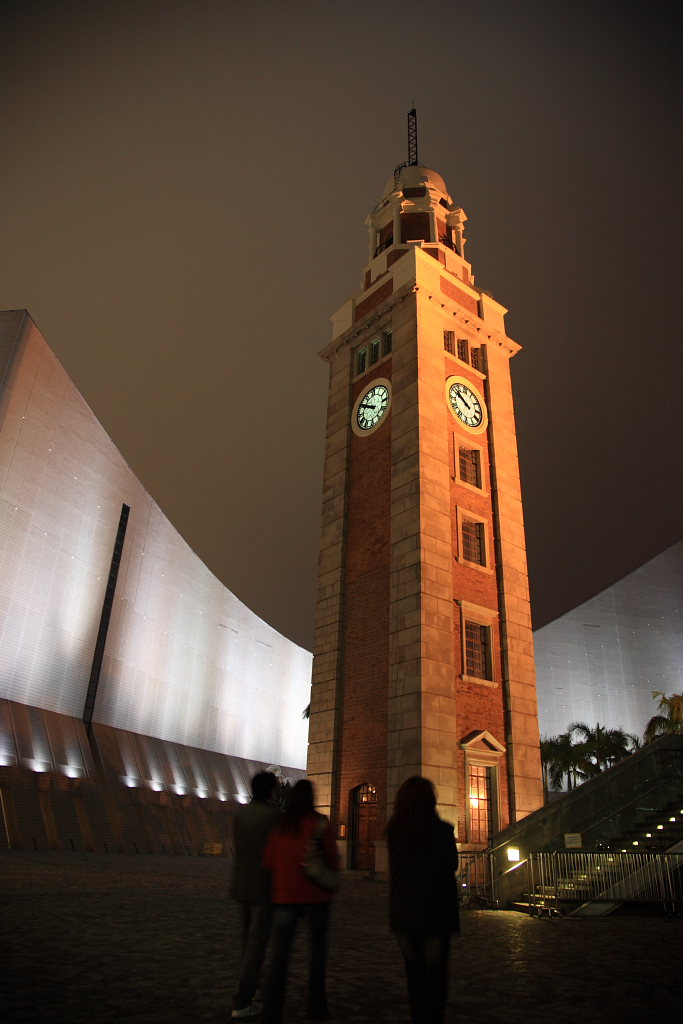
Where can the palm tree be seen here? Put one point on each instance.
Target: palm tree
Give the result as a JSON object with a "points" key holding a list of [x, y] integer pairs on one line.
{"points": [[581, 753], [552, 776], [600, 748], [635, 741], [670, 717], [561, 759]]}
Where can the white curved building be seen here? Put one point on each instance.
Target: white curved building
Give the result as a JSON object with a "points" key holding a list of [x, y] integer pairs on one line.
{"points": [[603, 660], [106, 613]]}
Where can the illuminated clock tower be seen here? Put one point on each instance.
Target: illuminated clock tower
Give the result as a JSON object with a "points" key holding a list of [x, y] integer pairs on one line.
{"points": [[423, 653]]}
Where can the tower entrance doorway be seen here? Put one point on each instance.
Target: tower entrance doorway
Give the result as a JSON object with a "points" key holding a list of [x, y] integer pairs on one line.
{"points": [[364, 829]]}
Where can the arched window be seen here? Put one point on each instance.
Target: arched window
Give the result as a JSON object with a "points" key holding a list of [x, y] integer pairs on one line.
{"points": [[483, 757]]}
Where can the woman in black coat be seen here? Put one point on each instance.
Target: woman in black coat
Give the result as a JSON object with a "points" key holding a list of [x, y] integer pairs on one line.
{"points": [[423, 895]]}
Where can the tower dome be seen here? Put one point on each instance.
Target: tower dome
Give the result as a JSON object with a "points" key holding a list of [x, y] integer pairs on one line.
{"points": [[415, 206], [410, 176]]}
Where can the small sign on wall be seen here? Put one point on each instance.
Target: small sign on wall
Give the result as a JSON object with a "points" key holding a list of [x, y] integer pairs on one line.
{"points": [[213, 849], [572, 841]]}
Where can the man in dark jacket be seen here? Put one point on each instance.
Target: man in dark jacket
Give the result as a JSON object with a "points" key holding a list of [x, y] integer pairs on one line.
{"points": [[251, 888]]}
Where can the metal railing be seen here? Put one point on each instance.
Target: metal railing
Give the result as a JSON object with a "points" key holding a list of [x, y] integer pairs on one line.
{"points": [[565, 877], [474, 878], [384, 245]]}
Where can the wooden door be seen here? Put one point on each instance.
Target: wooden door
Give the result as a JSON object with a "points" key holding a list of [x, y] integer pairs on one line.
{"points": [[365, 827]]}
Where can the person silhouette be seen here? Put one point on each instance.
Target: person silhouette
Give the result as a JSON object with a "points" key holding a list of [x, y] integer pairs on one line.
{"points": [[423, 895], [250, 887]]}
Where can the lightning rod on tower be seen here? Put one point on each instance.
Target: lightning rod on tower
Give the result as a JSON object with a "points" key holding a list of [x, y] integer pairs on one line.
{"points": [[412, 146], [412, 137]]}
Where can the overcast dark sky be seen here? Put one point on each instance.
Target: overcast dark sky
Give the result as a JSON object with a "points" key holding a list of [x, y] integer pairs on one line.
{"points": [[183, 188]]}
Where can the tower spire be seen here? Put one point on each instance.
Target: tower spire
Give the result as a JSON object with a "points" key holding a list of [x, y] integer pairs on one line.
{"points": [[412, 145], [412, 137]]}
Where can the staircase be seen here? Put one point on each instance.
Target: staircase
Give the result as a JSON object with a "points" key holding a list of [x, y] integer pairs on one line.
{"points": [[596, 884], [633, 810], [661, 830]]}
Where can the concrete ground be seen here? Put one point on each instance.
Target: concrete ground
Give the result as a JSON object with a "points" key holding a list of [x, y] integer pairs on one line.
{"points": [[154, 940]]}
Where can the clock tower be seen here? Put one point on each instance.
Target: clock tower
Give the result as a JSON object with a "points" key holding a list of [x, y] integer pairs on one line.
{"points": [[423, 653]]}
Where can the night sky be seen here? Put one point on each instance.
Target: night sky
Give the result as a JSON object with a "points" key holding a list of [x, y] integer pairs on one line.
{"points": [[183, 188]]}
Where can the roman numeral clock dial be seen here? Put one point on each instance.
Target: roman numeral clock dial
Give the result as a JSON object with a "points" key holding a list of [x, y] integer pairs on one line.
{"points": [[371, 407], [466, 404]]}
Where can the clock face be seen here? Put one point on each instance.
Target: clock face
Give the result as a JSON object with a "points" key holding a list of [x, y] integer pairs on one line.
{"points": [[466, 404], [371, 407]]}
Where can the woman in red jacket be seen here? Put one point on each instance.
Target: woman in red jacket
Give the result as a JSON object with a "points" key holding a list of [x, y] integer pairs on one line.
{"points": [[294, 895]]}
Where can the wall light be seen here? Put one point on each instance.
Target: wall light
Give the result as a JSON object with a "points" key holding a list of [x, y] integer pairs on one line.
{"points": [[513, 854]]}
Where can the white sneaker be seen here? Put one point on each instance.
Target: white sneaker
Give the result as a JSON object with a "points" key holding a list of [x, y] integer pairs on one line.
{"points": [[247, 1012]]}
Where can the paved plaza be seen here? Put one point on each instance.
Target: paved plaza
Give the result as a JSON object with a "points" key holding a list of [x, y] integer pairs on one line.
{"points": [[154, 940]]}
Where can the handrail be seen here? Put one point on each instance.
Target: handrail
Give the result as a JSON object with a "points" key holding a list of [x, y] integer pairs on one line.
{"points": [[617, 810], [618, 769], [476, 881], [584, 878]]}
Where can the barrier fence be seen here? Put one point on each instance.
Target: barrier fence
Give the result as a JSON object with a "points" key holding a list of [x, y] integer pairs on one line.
{"points": [[474, 878], [574, 877]]}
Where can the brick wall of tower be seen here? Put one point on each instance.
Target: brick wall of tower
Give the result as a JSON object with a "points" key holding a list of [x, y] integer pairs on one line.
{"points": [[480, 705], [326, 696], [373, 300], [363, 734], [389, 695], [422, 711], [522, 739]]}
